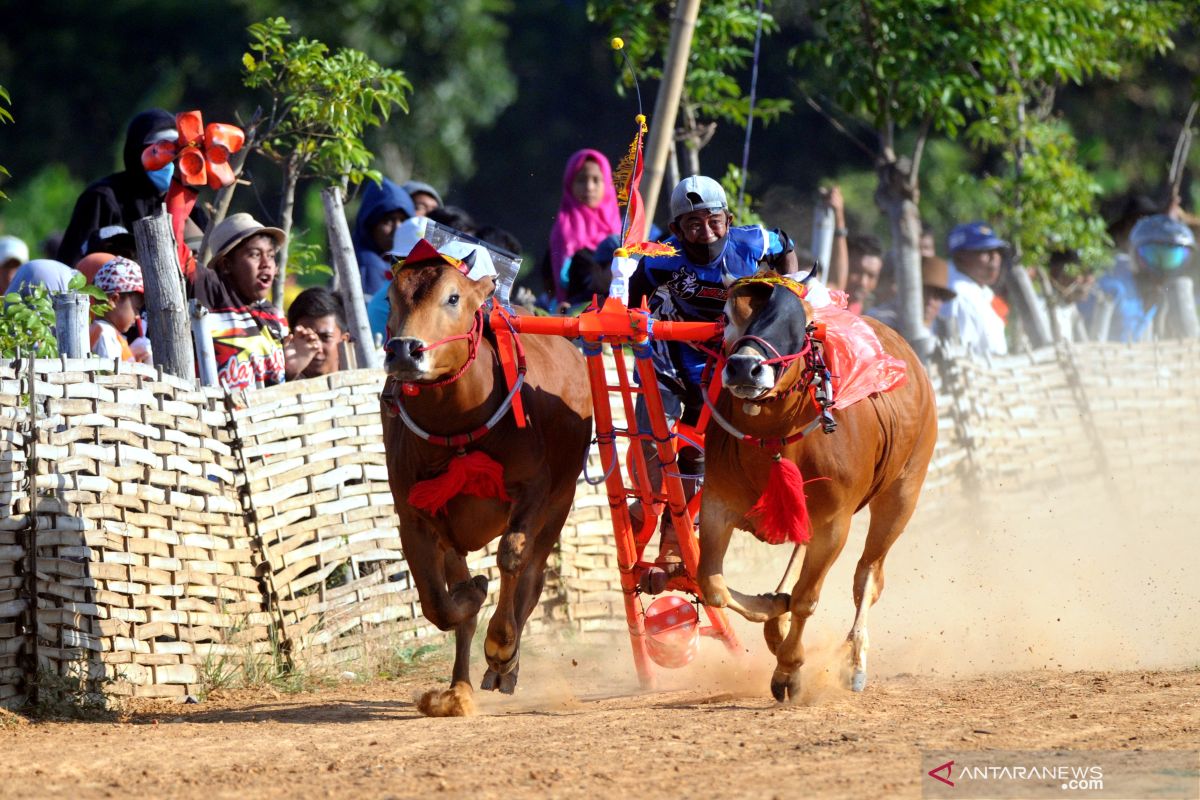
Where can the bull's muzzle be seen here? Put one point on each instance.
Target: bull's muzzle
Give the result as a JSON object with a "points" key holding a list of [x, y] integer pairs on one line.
{"points": [[747, 377], [405, 357]]}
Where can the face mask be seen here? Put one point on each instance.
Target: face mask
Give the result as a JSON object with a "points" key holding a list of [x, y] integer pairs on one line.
{"points": [[701, 254], [161, 178]]}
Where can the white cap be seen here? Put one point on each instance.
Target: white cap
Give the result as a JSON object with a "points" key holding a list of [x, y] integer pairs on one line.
{"points": [[13, 248], [697, 193], [406, 236]]}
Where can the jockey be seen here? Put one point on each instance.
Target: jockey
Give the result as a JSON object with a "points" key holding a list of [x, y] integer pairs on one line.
{"points": [[691, 286]]}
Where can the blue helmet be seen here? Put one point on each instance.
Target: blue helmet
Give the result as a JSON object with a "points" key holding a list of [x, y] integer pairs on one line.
{"points": [[1162, 244]]}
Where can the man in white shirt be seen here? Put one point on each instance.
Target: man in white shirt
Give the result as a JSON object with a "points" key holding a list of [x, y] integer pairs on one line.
{"points": [[977, 255]]}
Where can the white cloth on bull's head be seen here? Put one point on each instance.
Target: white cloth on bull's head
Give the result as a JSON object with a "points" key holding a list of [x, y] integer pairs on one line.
{"points": [[413, 229], [476, 255]]}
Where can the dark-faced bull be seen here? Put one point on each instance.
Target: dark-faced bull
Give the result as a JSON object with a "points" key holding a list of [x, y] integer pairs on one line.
{"points": [[877, 457]]}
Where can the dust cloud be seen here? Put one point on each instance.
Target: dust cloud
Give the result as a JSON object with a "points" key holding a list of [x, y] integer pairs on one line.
{"points": [[1094, 576]]}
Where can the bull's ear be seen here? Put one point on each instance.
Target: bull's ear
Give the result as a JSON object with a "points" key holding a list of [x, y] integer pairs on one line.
{"points": [[746, 300], [486, 287]]}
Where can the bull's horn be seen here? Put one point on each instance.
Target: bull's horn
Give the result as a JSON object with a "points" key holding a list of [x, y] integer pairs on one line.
{"points": [[816, 266]]}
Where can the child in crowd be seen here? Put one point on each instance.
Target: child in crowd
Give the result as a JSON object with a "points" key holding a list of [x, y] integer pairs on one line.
{"points": [[250, 336], [320, 311], [120, 279]]}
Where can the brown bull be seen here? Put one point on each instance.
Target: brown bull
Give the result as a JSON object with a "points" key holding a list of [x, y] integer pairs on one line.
{"points": [[877, 457], [437, 333]]}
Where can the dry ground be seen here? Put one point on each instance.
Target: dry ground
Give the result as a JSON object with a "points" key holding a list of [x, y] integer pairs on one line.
{"points": [[369, 741], [1056, 620]]}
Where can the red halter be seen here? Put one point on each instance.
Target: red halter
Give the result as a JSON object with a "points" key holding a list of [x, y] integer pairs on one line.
{"points": [[472, 336]]}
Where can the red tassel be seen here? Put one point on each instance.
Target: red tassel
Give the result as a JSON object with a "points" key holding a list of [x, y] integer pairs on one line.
{"points": [[476, 474], [781, 513]]}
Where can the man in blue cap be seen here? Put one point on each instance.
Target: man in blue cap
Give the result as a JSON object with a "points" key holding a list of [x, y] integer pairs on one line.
{"points": [[977, 255]]}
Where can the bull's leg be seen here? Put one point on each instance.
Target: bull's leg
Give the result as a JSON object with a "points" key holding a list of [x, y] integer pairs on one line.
{"points": [[464, 632], [890, 513], [445, 603], [823, 550], [528, 592], [457, 701], [513, 557], [776, 628], [716, 528]]}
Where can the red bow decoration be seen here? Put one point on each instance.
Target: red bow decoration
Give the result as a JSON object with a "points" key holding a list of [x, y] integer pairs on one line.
{"points": [[627, 179], [202, 156]]}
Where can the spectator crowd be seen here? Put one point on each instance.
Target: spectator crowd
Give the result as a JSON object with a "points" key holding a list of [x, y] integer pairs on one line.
{"points": [[974, 298]]}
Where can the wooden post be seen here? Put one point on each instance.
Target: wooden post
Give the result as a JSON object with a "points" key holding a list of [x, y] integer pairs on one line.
{"points": [[1181, 308], [206, 356], [823, 226], [1033, 313], [71, 324], [32, 656], [345, 265], [166, 302], [666, 105]]}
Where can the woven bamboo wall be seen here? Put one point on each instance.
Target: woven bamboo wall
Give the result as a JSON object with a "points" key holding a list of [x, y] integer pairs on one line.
{"points": [[143, 559], [174, 529], [13, 604]]}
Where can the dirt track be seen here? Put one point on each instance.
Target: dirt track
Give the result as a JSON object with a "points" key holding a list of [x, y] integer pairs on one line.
{"points": [[368, 741], [1035, 623]]}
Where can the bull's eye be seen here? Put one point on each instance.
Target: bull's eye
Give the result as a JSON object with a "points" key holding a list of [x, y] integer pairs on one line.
{"points": [[452, 300]]}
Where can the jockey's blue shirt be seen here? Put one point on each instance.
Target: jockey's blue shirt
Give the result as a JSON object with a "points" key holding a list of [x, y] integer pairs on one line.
{"points": [[677, 289]]}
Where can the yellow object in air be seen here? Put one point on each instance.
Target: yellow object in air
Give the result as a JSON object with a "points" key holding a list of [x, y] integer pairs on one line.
{"points": [[618, 43]]}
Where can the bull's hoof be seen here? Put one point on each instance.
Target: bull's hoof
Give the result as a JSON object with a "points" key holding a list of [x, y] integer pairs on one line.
{"points": [[481, 584], [653, 580], [505, 683], [782, 602], [858, 681], [457, 701], [786, 690]]}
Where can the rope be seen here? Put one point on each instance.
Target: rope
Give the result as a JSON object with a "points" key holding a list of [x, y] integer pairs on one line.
{"points": [[750, 114]]}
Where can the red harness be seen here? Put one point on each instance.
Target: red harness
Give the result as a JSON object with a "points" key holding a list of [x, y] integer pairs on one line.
{"points": [[395, 401]]}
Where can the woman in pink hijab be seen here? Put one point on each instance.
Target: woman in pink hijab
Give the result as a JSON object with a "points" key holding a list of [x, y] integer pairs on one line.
{"points": [[588, 212]]}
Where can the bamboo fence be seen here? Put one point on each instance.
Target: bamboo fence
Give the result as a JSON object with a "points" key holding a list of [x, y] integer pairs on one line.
{"points": [[149, 531]]}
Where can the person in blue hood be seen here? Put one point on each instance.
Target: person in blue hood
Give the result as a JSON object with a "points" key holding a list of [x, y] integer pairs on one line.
{"points": [[126, 196], [384, 206]]}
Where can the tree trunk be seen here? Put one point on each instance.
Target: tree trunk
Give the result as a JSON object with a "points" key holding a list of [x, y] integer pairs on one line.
{"points": [[341, 250], [225, 196], [673, 176], [896, 197], [71, 324], [291, 176], [1034, 315], [166, 303], [666, 105]]}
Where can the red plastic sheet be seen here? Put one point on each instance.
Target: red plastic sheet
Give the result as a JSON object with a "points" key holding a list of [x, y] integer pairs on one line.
{"points": [[855, 357]]}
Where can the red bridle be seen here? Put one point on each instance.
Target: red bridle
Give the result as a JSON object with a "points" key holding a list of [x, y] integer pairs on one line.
{"points": [[472, 336]]}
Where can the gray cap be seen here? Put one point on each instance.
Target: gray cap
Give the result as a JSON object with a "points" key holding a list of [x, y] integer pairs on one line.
{"points": [[697, 193], [418, 187]]}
